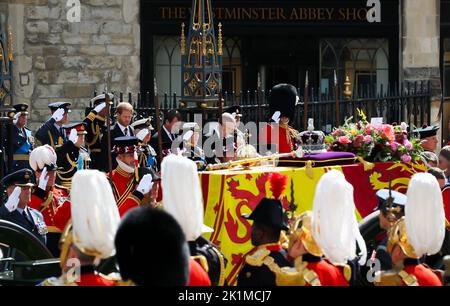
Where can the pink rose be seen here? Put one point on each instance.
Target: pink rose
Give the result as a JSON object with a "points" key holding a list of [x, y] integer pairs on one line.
{"points": [[338, 132], [394, 146], [368, 139], [408, 145], [369, 128], [344, 140], [404, 126], [387, 131], [357, 142], [406, 158]]}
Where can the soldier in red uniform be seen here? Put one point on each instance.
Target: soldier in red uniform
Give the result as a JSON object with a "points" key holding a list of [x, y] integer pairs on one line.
{"points": [[283, 98], [90, 236], [47, 197], [316, 270], [419, 233], [334, 226], [127, 192]]}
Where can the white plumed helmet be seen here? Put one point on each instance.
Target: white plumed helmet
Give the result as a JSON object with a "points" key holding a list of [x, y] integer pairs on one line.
{"points": [[41, 156], [425, 215], [95, 216], [334, 223], [182, 196]]}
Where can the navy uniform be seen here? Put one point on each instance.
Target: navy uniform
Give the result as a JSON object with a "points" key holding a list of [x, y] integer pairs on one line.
{"points": [[147, 154], [210, 258], [70, 157], [96, 128], [28, 218], [50, 133], [267, 265], [190, 149], [22, 142], [428, 133]]}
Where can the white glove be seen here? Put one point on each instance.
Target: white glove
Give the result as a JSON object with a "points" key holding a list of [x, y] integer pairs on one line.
{"points": [[100, 107], [276, 117], [73, 136], [13, 200], [16, 118], [145, 184], [43, 179], [58, 114]]}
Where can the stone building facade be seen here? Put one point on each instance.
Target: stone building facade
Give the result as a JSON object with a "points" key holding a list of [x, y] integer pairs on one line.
{"points": [[60, 60]]}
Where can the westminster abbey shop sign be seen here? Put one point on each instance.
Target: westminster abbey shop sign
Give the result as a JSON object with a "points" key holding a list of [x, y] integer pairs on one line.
{"points": [[328, 12]]}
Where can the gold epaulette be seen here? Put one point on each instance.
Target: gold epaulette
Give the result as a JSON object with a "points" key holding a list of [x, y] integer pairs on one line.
{"points": [[202, 261], [91, 116], [57, 282], [285, 276], [309, 276], [257, 258], [347, 271], [394, 278]]}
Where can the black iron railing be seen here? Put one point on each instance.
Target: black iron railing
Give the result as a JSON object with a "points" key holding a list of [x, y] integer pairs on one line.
{"points": [[408, 102]]}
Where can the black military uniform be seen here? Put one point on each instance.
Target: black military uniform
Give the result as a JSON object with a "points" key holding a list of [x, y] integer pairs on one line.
{"points": [[22, 142], [392, 205], [191, 150], [167, 139], [96, 128], [71, 158], [29, 218], [210, 258], [263, 266], [49, 133], [146, 154]]}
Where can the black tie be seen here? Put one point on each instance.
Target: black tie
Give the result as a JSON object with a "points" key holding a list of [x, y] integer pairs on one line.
{"points": [[125, 131], [27, 217]]}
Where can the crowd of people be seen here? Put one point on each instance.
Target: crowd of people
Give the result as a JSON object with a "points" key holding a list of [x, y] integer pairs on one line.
{"points": [[90, 194]]}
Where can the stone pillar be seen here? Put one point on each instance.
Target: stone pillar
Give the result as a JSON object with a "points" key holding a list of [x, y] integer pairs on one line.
{"points": [[421, 48], [58, 60]]}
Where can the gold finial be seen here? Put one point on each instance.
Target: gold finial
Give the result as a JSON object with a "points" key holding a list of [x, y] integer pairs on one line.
{"points": [[10, 42], [347, 92], [219, 43], [204, 39], [183, 40]]}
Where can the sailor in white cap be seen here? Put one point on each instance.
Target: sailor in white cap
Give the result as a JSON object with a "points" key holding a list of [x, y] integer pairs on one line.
{"points": [[147, 155]]}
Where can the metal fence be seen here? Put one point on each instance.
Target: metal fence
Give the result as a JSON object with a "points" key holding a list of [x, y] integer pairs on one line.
{"points": [[408, 102]]}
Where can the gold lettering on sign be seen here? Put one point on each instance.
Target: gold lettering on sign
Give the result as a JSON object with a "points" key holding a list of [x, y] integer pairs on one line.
{"points": [[272, 13]]}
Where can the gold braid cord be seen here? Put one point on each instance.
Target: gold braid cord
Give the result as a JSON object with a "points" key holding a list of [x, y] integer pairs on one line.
{"points": [[285, 276], [392, 278]]}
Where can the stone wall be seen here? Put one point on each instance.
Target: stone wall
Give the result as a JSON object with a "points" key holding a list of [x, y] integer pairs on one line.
{"points": [[60, 60], [421, 47]]}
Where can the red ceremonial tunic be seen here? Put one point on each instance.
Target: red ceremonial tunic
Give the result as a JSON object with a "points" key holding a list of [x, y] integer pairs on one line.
{"points": [[328, 274], [93, 279], [283, 139], [48, 202], [124, 189], [197, 275], [424, 275]]}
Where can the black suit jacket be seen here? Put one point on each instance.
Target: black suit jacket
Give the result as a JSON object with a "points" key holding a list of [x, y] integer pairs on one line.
{"points": [[19, 219], [115, 133], [165, 141]]}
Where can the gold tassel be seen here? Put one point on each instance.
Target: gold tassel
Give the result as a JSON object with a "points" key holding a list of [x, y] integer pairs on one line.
{"points": [[367, 166], [309, 169]]}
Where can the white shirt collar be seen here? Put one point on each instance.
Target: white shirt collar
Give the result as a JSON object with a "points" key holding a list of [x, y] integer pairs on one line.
{"points": [[168, 133], [122, 128]]}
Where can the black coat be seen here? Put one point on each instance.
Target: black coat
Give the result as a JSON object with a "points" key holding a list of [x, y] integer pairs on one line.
{"points": [[95, 128], [217, 262], [49, 134], [19, 219], [262, 276], [116, 132], [165, 141]]}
